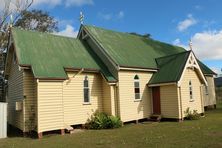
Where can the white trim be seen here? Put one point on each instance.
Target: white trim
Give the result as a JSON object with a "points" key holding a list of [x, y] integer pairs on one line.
{"points": [[162, 84], [138, 81], [86, 78], [137, 69], [193, 65], [137, 100]]}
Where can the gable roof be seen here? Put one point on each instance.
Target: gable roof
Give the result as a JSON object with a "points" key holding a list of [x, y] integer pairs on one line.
{"points": [[170, 68], [129, 50], [49, 55], [206, 70]]}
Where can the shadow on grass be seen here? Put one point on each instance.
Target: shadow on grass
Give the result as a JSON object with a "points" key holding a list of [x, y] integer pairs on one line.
{"points": [[14, 132]]}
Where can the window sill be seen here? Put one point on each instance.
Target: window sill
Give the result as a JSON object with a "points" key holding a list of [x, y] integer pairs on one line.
{"points": [[87, 103], [191, 100], [138, 100]]}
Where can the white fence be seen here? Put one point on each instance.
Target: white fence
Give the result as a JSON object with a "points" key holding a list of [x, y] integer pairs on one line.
{"points": [[3, 120]]}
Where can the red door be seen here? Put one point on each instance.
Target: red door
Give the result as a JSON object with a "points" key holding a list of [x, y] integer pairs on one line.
{"points": [[156, 100]]}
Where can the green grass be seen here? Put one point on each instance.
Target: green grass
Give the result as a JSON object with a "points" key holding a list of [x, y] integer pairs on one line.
{"points": [[206, 132]]}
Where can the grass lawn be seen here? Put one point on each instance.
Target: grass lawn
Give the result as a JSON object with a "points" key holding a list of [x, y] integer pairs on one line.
{"points": [[206, 132]]}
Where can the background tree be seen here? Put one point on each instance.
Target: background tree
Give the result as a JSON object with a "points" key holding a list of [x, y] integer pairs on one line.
{"points": [[10, 11], [146, 35], [37, 20]]}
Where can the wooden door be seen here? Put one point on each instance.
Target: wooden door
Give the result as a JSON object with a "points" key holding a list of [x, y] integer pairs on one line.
{"points": [[156, 100]]}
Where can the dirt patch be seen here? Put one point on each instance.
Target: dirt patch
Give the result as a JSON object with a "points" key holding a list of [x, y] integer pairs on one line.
{"points": [[215, 134]]}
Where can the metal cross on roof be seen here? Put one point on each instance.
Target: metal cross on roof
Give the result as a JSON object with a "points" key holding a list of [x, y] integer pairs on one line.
{"points": [[81, 18], [191, 45]]}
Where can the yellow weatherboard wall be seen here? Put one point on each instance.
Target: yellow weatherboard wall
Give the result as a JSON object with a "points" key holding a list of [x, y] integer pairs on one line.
{"points": [[131, 109], [61, 103], [197, 102], [30, 101], [210, 96], [75, 111], [169, 101], [15, 94]]}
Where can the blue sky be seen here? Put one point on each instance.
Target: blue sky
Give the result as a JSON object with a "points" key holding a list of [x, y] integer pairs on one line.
{"points": [[171, 21]]}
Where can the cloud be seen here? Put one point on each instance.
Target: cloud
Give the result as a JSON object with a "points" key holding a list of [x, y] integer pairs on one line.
{"points": [[78, 2], [198, 7], [176, 42], [216, 70], [69, 31], [67, 3], [50, 3], [111, 16], [206, 45], [185, 24], [105, 16], [120, 15]]}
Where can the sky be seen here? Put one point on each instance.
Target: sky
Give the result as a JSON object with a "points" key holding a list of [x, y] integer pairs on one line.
{"points": [[171, 21]]}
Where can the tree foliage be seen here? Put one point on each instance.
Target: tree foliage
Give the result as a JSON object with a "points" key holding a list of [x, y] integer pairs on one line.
{"points": [[10, 11], [146, 35], [37, 20]]}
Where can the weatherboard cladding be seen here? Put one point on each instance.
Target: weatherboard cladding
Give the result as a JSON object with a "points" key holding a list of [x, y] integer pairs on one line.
{"points": [[49, 55]]}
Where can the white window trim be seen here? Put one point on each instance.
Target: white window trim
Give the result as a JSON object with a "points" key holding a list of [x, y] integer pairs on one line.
{"points": [[88, 102], [137, 80], [191, 90]]}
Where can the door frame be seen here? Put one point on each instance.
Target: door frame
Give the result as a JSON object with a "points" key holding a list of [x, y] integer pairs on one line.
{"points": [[157, 89]]}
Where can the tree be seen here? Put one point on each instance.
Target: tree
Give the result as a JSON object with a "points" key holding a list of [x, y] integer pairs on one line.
{"points": [[146, 35], [37, 20], [10, 11]]}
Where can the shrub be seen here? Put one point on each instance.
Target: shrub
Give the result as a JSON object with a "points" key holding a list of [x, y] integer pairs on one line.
{"points": [[102, 121], [189, 115]]}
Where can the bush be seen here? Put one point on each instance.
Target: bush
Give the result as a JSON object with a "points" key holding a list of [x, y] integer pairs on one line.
{"points": [[189, 115], [102, 121]]}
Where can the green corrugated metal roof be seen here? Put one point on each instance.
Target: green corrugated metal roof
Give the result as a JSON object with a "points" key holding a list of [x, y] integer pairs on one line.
{"points": [[205, 69], [49, 54], [134, 51], [131, 50], [170, 68]]}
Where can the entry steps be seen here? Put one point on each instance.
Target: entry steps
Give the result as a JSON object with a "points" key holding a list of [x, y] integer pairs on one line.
{"points": [[155, 117]]}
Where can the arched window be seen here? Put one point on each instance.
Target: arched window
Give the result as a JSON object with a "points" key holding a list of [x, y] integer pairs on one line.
{"points": [[191, 90], [86, 90], [137, 87]]}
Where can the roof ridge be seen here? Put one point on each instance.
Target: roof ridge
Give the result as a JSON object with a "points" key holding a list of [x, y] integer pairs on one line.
{"points": [[129, 34], [46, 33], [174, 54], [170, 57]]}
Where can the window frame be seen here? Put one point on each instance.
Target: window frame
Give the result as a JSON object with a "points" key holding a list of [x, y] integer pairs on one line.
{"points": [[86, 88], [191, 91], [137, 88]]}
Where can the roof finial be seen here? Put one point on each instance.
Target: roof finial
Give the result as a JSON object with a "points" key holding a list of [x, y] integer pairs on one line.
{"points": [[191, 45], [81, 18], [11, 21]]}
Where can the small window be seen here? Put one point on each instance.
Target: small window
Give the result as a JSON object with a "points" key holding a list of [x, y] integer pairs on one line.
{"points": [[191, 90], [137, 87], [206, 90], [86, 90]]}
